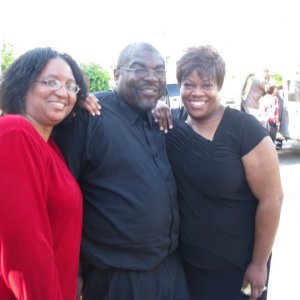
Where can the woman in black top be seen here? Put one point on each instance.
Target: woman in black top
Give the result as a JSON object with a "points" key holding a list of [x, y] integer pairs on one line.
{"points": [[229, 185]]}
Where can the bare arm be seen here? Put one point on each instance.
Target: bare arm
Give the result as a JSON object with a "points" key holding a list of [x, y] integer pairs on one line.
{"points": [[262, 173]]}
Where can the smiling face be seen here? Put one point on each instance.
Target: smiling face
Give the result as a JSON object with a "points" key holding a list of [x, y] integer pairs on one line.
{"points": [[45, 107], [200, 96], [141, 91]]}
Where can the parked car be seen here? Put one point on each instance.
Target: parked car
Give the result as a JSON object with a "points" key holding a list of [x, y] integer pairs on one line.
{"points": [[290, 122], [173, 95]]}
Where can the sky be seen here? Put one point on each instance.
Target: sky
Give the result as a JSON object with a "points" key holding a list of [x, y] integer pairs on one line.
{"points": [[248, 34]]}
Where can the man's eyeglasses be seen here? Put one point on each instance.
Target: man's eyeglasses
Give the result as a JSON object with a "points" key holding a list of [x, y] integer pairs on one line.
{"points": [[141, 72], [55, 85]]}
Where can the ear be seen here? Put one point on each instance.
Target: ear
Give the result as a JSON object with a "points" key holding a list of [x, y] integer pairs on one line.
{"points": [[116, 74]]}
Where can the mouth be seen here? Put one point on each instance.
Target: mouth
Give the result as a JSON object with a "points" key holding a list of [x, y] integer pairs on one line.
{"points": [[149, 92], [57, 104], [197, 104]]}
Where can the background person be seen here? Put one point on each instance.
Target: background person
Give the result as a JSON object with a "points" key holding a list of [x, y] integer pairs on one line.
{"points": [[131, 213], [269, 110], [253, 90], [229, 186], [282, 117], [41, 203]]}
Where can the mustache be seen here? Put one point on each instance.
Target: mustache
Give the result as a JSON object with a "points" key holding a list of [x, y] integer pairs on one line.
{"points": [[161, 88]]}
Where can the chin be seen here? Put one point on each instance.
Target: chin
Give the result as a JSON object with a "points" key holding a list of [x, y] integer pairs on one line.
{"points": [[148, 105]]}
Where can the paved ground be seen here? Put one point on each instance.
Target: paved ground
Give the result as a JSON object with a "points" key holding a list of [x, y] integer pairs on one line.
{"points": [[284, 278]]}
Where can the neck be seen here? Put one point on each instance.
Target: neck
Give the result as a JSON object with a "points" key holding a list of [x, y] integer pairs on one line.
{"points": [[213, 117], [43, 131], [208, 126]]}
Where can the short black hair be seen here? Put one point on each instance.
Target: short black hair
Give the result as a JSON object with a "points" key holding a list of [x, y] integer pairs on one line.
{"points": [[22, 73], [205, 60], [130, 50]]}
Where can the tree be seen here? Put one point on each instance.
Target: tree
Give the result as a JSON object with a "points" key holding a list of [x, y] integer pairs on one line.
{"points": [[97, 76], [7, 56], [278, 79]]}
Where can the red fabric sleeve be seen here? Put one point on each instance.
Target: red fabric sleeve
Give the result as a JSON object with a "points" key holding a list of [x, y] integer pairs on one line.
{"points": [[27, 262]]}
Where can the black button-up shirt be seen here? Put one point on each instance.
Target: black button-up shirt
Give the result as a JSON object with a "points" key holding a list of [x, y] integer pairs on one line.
{"points": [[131, 217]]}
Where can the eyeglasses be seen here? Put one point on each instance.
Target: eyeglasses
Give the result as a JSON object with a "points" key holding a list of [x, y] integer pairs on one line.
{"points": [[55, 85], [141, 72]]}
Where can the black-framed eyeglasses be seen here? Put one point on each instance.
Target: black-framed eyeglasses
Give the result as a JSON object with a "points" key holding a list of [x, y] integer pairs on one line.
{"points": [[142, 72], [55, 85]]}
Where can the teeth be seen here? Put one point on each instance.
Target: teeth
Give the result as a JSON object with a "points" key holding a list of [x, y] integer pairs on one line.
{"points": [[197, 103], [58, 104], [148, 92]]}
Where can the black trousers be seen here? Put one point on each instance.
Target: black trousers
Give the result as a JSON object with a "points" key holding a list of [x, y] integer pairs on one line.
{"points": [[165, 282], [222, 284], [272, 128]]}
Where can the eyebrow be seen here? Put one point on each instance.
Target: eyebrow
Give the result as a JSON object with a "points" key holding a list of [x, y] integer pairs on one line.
{"points": [[142, 65]]}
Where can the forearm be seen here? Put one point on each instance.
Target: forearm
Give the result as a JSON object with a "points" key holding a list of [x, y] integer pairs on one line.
{"points": [[266, 225]]}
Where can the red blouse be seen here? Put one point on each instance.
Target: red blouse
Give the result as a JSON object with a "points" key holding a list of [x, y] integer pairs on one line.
{"points": [[40, 216]]}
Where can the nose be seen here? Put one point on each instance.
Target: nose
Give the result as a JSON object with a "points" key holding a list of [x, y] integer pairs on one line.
{"points": [[197, 91], [151, 76], [62, 91]]}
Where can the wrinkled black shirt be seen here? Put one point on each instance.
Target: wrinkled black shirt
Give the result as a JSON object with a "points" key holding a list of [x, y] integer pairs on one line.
{"points": [[131, 217], [216, 202]]}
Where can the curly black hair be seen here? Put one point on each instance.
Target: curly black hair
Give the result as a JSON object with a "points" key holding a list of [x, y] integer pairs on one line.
{"points": [[22, 73]]}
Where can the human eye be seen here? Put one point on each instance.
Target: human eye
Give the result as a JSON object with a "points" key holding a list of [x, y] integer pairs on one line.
{"points": [[208, 86], [188, 86], [72, 87], [52, 82], [160, 73], [141, 72]]}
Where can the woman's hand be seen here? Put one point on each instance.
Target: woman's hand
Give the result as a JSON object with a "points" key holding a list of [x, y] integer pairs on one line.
{"points": [[162, 115], [254, 281], [91, 104]]}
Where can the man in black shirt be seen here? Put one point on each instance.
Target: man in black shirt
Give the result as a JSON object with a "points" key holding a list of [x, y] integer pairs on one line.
{"points": [[131, 217]]}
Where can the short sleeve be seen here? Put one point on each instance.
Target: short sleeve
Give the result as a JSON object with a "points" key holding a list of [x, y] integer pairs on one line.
{"points": [[251, 132]]}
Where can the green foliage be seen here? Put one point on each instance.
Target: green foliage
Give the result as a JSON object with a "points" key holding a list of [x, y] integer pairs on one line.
{"points": [[7, 56], [97, 76], [277, 78]]}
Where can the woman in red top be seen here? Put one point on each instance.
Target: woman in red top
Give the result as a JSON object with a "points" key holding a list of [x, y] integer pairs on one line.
{"points": [[40, 201]]}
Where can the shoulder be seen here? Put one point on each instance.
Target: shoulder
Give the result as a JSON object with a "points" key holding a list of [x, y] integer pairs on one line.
{"points": [[15, 121], [20, 139], [248, 131], [79, 128], [179, 115], [108, 100], [105, 95], [238, 116], [17, 124]]}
